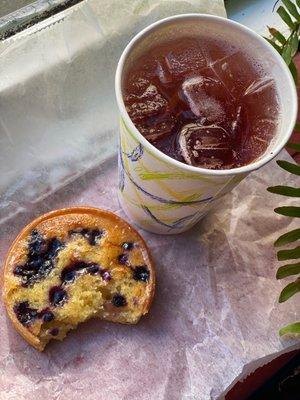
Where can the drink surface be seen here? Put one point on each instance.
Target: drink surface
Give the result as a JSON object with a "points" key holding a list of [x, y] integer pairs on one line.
{"points": [[202, 102]]}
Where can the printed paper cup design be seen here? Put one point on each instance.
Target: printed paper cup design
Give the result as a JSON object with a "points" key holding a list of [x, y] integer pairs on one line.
{"points": [[161, 194]]}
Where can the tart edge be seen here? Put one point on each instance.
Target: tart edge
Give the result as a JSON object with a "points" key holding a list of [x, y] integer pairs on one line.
{"points": [[24, 332]]}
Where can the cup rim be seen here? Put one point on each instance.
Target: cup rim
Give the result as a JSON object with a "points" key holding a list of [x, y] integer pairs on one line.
{"points": [[286, 74]]}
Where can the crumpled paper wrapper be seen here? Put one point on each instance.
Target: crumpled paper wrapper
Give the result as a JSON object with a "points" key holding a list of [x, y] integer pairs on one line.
{"points": [[215, 315], [58, 112], [214, 318]]}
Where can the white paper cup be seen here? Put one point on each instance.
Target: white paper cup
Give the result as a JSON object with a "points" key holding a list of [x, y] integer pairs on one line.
{"points": [[163, 195]]}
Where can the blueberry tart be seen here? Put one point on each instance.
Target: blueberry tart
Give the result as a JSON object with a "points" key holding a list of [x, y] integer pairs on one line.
{"points": [[74, 264]]}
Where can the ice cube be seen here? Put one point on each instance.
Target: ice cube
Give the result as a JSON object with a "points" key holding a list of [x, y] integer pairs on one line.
{"points": [[206, 146], [235, 72], [198, 93], [163, 72], [256, 142], [184, 58], [136, 85], [147, 103], [149, 110], [215, 50], [240, 126], [208, 98], [258, 86], [160, 126], [260, 98]]}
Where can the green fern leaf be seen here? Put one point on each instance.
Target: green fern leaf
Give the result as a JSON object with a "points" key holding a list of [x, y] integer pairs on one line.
{"points": [[290, 290], [292, 9], [286, 17], [294, 72], [277, 35], [288, 211], [285, 190], [290, 329], [289, 237], [290, 167], [297, 128], [289, 254], [287, 53], [294, 42], [275, 45], [288, 270]]}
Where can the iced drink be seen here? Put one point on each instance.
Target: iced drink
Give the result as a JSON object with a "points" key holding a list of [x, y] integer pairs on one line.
{"points": [[203, 102]]}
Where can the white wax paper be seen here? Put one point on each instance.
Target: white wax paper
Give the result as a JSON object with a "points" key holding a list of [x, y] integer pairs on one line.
{"points": [[215, 314], [58, 116]]}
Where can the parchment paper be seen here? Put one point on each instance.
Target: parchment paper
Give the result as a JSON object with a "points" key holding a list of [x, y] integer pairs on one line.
{"points": [[58, 116], [215, 313]]}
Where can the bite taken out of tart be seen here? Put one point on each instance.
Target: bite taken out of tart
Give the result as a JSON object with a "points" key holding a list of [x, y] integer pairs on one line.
{"points": [[74, 264]]}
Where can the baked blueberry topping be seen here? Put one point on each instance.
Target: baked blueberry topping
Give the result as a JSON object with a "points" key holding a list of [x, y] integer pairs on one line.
{"points": [[70, 272], [24, 313], [40, 259], [46, 315], [141, 274], [37, 244], [106, 276], [127, 246], [123, 259], [57, 296], [54, 245], [68, 276], [93, 269], [119, 300], [54, 331], [92, 235]]}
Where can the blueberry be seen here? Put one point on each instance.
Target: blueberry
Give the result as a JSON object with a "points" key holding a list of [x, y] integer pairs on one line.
{"points": [[46, 315], [54, 245], [54, 331], [73, 232], [69, 273], [35, 264], [93, 269], [24, 313], [68, 276], [19, 270], [141, 274], [123, 259], [24, 270], [46, 265], [37, 244], [57, 296], [119, 300], [127, 246], [94, 236], [40, 259], [106, 276], [79, 265]]}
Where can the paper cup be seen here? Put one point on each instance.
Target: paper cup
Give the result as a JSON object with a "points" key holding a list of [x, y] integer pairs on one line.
{"points": [[163, 195]]}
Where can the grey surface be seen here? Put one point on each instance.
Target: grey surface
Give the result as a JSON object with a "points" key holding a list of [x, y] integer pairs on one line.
{"points": [[30, 13], [9, 6]]}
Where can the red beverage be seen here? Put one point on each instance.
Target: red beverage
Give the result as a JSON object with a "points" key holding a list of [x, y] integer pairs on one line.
{"points": [[202, 102]]}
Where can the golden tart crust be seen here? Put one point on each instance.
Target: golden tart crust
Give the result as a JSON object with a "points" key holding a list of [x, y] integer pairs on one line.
{"points": [[73, 264]]}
